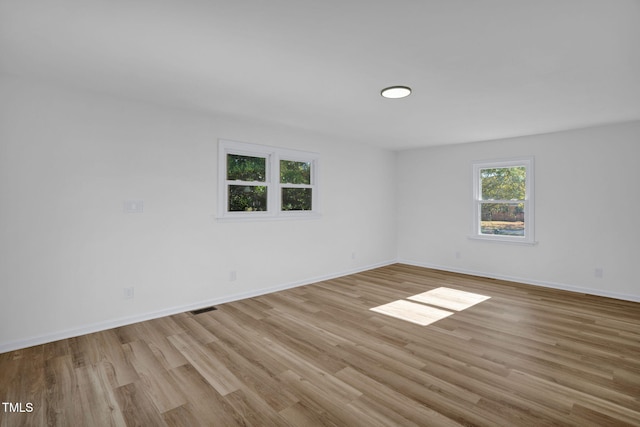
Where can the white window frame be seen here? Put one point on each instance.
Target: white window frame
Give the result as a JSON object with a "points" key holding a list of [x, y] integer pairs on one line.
{"points": [[273, 155], [529, 205]]}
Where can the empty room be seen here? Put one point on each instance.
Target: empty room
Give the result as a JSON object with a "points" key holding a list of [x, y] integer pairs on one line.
{"points": [[296, 213]]}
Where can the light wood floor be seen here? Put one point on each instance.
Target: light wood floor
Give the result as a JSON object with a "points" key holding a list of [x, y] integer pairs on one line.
{"points": [[316, 355]]}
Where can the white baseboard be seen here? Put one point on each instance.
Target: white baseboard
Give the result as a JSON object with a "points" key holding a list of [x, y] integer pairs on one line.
{"points": [[553, 285], [123, 321]]}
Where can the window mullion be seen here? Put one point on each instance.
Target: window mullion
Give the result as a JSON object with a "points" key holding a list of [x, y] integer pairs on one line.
{"points": [[514, 202], [296, 185]]}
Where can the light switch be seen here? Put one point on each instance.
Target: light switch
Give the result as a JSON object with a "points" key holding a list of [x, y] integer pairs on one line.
{"points": [[133, 206]]}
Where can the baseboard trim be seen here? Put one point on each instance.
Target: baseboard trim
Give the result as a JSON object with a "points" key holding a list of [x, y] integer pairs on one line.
{"points": [[526, 281], [123, 321]]}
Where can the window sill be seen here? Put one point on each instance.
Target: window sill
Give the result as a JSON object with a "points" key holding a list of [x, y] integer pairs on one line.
{"points": [[258, 218], [507, 240]]}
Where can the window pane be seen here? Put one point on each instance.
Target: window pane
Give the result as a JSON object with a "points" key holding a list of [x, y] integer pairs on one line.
{"points": [[296, 199], [246, 168], [247, 198], [503, 183], [502, 218], [295, 172]]}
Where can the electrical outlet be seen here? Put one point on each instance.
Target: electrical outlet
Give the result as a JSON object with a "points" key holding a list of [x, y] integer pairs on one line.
{"points": [[128, 292], [458, 255], [599, 272], [233, 276]]}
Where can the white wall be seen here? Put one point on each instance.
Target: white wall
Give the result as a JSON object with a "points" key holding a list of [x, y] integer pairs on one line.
{"points": [[587, 206], [68, 161]]}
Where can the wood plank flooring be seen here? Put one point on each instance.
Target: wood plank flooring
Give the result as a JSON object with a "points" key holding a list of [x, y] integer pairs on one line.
{"points": [[318, 356]]}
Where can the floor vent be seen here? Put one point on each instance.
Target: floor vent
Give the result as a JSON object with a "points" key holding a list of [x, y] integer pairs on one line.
{"points": [[203, 310]]}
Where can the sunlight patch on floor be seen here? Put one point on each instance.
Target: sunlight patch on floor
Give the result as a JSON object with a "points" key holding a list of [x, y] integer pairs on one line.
{"points": [[451, 299], [412, 312], [421, 314]]}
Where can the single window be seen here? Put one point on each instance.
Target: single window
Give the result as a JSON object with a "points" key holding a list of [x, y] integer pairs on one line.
{"points": [[503, 200], [245, 177], [296, 186], [266, 182]]}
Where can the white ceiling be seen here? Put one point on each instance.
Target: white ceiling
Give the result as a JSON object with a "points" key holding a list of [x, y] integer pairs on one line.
{"points": [[480, 69]]}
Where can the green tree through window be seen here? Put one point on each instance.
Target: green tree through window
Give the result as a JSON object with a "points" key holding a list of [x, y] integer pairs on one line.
{"points": [[298, 198], [503, 200], [247, 169], [503, 183], [506, 185], [262, 182], [292, 172]]}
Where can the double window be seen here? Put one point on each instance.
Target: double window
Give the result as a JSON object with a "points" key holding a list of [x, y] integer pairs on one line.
{"points": [[257, 181], [503, 200]]}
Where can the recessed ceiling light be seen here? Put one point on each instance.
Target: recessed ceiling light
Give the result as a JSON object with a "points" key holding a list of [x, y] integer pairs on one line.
{"points": [[395, 92]]}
